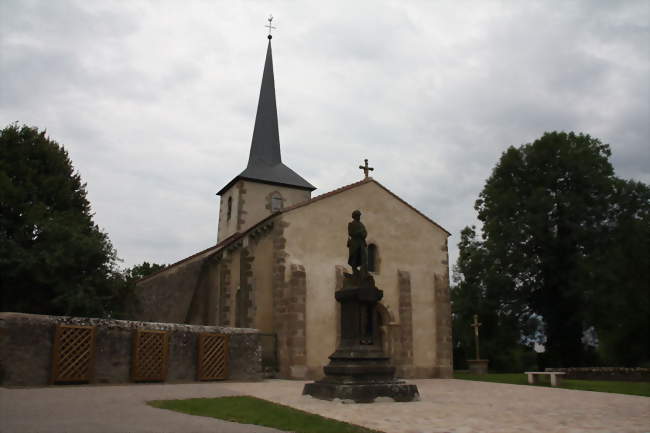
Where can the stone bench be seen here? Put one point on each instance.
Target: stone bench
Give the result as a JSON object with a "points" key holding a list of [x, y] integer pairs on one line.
{"points": [[556, 376]]}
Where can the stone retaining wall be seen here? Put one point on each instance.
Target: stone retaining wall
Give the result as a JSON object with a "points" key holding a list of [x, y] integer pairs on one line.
{"points": [[637, 374], [26, 349]]}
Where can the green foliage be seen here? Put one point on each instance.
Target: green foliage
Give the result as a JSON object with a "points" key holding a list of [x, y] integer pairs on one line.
{"points": [[124, 300], [138, 272], [564, 250], [617, 387], [480, 289], [251, 410], [619, 291], [53, 258]]}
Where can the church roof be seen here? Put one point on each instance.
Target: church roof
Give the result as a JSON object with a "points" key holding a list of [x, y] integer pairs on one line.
{"points": [[265, 161], [354, 185]]}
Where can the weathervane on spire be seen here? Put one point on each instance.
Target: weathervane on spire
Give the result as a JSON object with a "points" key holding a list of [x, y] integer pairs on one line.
{"points": [[270, 25]]}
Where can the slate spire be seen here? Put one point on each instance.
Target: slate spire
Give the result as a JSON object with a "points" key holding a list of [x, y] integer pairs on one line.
{"points": [[265, 161], [265, 147]]}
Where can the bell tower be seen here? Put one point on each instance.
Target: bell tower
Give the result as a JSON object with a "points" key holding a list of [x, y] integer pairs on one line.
{"points": [[266, 185]]}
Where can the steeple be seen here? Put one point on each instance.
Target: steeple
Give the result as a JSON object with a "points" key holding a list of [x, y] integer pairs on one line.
{"points": [[265, 161], [265, 147]]}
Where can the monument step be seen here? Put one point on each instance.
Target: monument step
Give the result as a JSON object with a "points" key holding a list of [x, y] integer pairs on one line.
{"points": [[363, 392]]}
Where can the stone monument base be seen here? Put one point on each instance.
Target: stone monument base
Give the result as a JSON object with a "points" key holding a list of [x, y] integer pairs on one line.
{"points": [[359, 370], [478, 366], [397, 390]]}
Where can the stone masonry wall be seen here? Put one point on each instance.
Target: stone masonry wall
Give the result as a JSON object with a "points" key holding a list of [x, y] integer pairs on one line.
{"points": [[443, 328], [167, 297], [405, 355], [289, 296], [442, 306], [296, 338], [241, 213], [224, 294], [279, 299], [245, 314], [199, 313], [26, 349]]}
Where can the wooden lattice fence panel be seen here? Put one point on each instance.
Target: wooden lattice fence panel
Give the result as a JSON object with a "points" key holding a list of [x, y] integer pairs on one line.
{"points": [[73, 354], [213, 356], [150, 356]]}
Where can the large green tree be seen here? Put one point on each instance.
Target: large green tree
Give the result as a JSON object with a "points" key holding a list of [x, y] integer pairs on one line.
{"points": [[619, 291], [480, 289], [563, 239], [53, 257], [543, 210]]}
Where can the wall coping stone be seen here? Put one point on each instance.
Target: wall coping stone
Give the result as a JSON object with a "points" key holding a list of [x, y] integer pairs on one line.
{"points": [[114, 323], [26, 344]]}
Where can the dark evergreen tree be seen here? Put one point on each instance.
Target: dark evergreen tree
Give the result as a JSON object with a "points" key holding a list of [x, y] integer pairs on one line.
{"points": [[53, 257]]}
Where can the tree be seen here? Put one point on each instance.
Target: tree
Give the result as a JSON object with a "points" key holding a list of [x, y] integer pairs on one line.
{"points": [[134, 274], [480, 289], [53, 257], [565, 246], [619, 294], [544, 209], [124, 303]]}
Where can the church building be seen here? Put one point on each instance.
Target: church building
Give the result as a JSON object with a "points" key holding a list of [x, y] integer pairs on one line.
{"points": [[280, 256]]}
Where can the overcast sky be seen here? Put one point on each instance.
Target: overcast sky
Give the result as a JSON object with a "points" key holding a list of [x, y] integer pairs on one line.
{"points": [[155, 101]]}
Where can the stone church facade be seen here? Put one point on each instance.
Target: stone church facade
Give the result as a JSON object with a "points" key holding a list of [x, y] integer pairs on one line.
{"points": [[280, 256]]}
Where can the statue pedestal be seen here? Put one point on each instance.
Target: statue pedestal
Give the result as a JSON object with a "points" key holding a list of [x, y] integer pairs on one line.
{"points": [[478, 366], [359, 370]]}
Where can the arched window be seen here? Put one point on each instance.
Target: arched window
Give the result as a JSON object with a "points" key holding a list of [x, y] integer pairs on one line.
{"points": [[372, 258], [229, 207]]}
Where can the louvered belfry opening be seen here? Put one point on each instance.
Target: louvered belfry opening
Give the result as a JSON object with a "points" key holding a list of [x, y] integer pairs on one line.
{"points": [[73, 354], [150, 356], [212, 356]]}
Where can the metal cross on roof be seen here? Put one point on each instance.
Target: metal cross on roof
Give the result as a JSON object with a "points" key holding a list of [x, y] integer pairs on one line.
{"points": [[270, 25], [365, 168]]}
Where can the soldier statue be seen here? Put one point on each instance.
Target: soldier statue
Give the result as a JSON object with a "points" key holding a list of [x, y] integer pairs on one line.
{"points": [[358, 252]]}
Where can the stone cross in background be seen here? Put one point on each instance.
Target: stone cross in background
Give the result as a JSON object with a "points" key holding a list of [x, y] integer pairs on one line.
{"points": [[475, 325]]}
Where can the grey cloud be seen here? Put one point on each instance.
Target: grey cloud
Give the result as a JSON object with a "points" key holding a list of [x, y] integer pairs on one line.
{"points": [[156, 101]]}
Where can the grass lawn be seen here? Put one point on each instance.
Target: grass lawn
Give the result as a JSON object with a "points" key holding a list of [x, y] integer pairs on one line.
{"points": [[251, 410], [632, 388]]}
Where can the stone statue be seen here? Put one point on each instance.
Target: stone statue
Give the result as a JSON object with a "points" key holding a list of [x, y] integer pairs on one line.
{"points": [[359, 370], [358, 252]]}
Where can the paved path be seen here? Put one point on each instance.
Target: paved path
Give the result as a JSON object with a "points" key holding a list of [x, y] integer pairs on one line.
{"points": [[447, 406], [111, 409], [461, 406]]}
